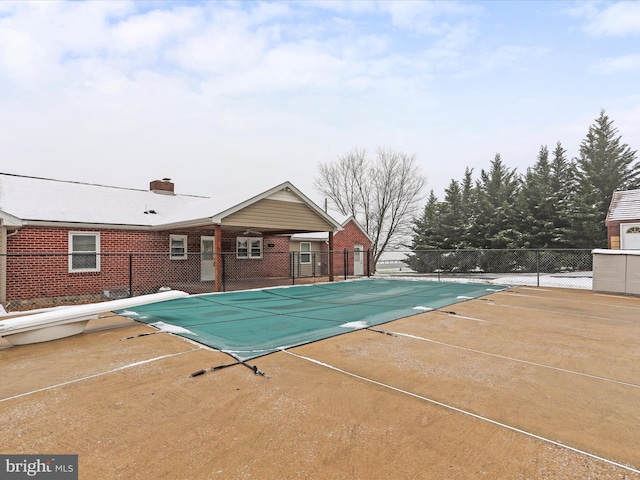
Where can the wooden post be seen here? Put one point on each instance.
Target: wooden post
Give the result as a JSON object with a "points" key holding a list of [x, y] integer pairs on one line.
{"points": [[217, 255], [331, 256]]}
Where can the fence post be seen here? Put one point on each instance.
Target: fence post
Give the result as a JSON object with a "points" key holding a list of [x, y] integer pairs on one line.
{"points": [[538, 266], [313, 265], [292, 263], [222, 257], [130, 275], [346, 263], [438, 262], [368, 262]]}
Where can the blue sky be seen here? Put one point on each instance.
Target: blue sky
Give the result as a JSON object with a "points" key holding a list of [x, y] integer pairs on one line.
{"points": [[230, 96]]}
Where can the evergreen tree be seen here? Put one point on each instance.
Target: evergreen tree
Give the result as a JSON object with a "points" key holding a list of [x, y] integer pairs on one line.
{"points": [[452, 219], [470, 210], [563, 184], [424, 238], [496, 222], [536, 203], [425, 227], [605, 165], [542, 201]]}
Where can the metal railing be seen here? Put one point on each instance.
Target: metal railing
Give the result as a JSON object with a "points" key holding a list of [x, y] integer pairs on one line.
{"points": [[35, 280]]}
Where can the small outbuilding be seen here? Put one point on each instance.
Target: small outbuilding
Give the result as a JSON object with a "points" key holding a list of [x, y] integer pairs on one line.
{"points": [[623, 220]]}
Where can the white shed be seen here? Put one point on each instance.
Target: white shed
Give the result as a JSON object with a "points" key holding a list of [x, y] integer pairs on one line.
{"points": [[623, 220]]}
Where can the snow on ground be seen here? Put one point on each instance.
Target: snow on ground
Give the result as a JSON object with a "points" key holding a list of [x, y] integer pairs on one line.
{"points": [[578, 280]]}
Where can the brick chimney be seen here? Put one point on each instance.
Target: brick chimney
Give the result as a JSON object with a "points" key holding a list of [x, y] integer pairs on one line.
{"points": [[164, 186]]}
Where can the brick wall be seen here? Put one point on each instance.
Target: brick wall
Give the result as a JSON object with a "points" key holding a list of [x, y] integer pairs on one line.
{"points": [[43, 270], [38, 262], [347, 238]]}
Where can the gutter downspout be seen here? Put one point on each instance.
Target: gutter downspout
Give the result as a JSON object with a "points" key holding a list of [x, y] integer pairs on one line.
{"points": [[3, 262], [331, 256]]}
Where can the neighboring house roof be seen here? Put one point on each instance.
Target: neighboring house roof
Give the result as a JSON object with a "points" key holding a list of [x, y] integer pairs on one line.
{"points": [[319, 236], [36, 201], [625, 205]]}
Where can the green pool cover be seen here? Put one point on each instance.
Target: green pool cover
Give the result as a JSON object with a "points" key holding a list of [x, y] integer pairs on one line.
{"points": [[251, 323]]}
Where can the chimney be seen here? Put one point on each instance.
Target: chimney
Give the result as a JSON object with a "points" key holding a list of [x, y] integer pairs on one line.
{"points": [[164, 186]]}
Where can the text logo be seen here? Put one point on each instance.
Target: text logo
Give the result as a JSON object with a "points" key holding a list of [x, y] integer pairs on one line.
{"points": [[49, 467]]}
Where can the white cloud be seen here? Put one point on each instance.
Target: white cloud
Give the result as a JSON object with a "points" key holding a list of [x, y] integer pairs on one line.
{"points": [[615, 19], [615, 65], [152, 29], [435, 17], [198, 90]]}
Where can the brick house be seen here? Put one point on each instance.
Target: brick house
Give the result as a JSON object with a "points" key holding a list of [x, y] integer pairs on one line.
{"points": [[77, 242], [352, 244], [623, 220]]}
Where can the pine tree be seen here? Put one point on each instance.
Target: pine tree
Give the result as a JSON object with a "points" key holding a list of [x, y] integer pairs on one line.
{"points": [[470, 210], [543, 198], [563, 184], [452, 217], [424, 237], [496, 222], [425, 227], [536, 204], [605, 165]]}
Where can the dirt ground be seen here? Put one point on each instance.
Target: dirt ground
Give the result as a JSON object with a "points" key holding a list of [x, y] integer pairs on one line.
{"points": [[528, 383]]}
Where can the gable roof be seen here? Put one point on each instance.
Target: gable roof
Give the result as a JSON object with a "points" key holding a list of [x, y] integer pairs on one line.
{"points": [[320, 236], [41, 201], [625, 205]]}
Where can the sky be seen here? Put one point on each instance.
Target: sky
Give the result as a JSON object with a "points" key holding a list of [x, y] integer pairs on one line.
{"points": [[226, 97]]}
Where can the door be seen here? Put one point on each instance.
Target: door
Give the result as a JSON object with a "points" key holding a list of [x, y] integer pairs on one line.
{"points": [[207, 267], [630, 236], [358, 260]]}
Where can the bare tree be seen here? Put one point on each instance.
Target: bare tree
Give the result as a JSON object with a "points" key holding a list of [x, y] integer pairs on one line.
{"points": [[382, 194]]}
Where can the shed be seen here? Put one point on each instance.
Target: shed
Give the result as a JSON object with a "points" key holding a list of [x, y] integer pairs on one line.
{"points": [[623, 220]]}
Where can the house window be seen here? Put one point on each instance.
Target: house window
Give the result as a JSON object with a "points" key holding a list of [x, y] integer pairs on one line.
{"points": [[84, 252], [178, 247], [249, 247], [305, 252], [633, 230]]}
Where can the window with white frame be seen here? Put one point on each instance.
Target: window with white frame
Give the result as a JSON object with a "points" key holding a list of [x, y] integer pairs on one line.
{"points": [[178, 247], [249, 247], [84, 251], [305, 252]]}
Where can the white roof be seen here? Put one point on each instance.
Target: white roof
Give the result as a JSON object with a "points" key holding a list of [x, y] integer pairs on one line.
{"points": [[32, 200], [625, 205]]}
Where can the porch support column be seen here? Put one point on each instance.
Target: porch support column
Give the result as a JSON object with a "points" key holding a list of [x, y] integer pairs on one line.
{"points": [[331, 256], [217, 254]]}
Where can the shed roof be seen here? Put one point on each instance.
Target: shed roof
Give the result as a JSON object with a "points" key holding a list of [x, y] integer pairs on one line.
{"points": [[28, 200], [625, 205]]}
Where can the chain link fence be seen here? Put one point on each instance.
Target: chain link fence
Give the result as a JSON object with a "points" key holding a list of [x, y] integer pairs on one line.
{"points": [[51, 279], [569, 268]]}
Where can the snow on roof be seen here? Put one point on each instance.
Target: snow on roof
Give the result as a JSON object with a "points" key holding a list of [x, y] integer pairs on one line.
{"points": [[43, 199], [625, 205], [31, 199]]}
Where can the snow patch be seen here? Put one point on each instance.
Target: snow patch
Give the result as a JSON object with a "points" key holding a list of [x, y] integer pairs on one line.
{"points": [[166, 327], [422, 309], [355, 325]]}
